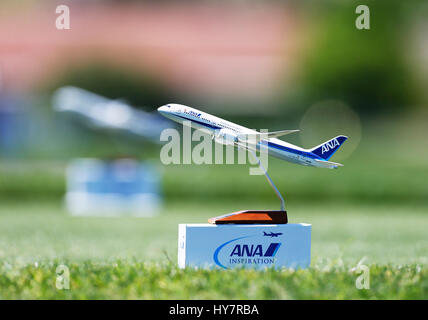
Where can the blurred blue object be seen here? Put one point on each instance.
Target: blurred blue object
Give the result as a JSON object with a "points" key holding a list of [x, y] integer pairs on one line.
{"points": [[13, 126], [113, 188], [99, 112]]}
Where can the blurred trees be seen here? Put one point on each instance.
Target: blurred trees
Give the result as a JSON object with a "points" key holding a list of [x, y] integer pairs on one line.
{"points": [[364, 68], [141, 90]]}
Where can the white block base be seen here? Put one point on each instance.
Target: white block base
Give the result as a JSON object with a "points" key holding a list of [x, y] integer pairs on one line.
{"points": [[244, 245]]}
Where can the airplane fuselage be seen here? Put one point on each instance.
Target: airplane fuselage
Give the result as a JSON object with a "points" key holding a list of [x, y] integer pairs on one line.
{"points": [[212, 124]]}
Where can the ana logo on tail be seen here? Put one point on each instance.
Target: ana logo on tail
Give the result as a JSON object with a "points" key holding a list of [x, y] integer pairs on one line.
{"points": [[327, 149], [329, 145]]}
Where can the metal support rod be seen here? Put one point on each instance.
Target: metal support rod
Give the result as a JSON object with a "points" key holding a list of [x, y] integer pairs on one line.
{"points": [[278, 194]]}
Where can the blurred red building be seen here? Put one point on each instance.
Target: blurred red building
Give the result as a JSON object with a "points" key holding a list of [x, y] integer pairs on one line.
{"points": [[226, 50]]}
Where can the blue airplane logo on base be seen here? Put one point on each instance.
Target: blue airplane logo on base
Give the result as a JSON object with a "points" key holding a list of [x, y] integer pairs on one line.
{"points": [[272, 234]]}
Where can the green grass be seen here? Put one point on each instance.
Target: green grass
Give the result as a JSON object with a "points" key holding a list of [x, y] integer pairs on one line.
{"points": [[136, 257], [136, 280]]}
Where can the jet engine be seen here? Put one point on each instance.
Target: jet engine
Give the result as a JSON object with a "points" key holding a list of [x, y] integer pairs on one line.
{"points": [[225, 136]]}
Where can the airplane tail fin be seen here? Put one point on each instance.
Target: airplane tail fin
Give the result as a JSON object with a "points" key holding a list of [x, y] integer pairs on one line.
{"points": [[267, 135], [327, 149]]}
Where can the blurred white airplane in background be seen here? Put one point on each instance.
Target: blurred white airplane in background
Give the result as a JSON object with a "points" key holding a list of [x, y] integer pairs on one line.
{"points": [[101, 113]]}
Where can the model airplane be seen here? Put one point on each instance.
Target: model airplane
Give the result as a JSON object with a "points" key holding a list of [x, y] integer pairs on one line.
{"points": [[226, 132]]}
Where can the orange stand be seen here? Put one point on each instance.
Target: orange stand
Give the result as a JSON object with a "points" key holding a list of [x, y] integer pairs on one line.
{"points": [[252, 217]]}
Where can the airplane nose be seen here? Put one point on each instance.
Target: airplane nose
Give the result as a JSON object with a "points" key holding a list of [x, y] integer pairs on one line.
{"points": [[163, 109]]}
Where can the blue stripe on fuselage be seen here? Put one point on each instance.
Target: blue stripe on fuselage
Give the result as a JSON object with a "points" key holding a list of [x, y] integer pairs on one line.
{"points": [[291, 150], [270, 144], [200, 122]]}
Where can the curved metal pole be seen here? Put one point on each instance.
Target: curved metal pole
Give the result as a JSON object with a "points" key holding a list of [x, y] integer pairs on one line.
{"points": [[278, 194]]}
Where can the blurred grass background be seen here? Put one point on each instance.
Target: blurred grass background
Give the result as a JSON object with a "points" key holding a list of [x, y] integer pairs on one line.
{"points": [[383, 234], [386, 167]]}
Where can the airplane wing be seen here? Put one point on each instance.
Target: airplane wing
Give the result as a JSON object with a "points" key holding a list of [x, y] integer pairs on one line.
{"points": [[328, 164], [276, 134], [272, 134]]}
